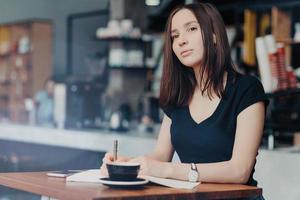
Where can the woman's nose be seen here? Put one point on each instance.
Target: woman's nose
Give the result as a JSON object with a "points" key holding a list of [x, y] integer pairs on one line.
{"points": [[182, 41]]}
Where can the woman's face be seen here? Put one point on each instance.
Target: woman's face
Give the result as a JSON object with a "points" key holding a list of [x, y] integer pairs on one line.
{"points": [[187, 38]]}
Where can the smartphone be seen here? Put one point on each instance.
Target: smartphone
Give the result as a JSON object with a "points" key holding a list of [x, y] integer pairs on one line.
{"points": [[63, 173]]}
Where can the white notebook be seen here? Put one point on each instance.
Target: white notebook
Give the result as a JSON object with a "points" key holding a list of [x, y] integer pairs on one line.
{"points": [[94, 175]]}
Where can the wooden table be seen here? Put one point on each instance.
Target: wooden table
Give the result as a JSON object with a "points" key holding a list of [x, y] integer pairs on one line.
{"points": [[39, 183]]}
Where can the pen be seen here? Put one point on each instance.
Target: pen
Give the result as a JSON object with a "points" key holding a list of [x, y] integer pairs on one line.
{"points": [[115, 151]]}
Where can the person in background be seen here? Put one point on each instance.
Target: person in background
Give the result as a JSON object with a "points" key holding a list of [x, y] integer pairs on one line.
{"points": [[44, 104], [214, 116]]}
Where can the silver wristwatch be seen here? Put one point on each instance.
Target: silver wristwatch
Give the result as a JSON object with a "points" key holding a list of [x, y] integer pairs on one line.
{"points": [[193, 173]]}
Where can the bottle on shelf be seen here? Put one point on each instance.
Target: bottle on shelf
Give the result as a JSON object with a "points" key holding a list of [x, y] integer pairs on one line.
{"points": [[297, 32]]}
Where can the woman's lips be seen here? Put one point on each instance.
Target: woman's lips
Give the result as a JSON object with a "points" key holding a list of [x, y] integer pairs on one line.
{"points": [[186, 53]]}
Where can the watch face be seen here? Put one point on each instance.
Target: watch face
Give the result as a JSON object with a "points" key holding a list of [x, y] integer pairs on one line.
{"points": [[193, 176]]}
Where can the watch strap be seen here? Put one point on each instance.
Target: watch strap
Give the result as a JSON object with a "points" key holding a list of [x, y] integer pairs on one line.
{"points": [[194, 167]]}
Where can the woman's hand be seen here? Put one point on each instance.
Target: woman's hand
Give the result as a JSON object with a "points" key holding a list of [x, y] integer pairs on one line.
{"points": [[108, 157], [151, 167]]}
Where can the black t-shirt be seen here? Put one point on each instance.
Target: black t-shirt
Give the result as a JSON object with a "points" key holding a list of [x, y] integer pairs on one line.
{"points": [[212, 139]]}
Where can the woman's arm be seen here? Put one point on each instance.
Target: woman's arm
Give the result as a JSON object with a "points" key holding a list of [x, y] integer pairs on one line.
{"points": [[164, 150], [162, 153], [249, 131]]}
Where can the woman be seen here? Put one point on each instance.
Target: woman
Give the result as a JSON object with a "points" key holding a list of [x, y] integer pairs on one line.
{"points": [[214, 116]]}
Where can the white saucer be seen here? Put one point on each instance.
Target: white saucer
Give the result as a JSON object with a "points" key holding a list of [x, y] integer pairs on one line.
{"points": [[137, 182]]}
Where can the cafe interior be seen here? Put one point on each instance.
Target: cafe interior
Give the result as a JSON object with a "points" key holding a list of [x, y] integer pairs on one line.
{"points": [[77, 74]]}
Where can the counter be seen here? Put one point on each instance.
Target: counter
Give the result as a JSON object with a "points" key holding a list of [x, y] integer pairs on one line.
{"points": [[130, 143], [277, 171]]}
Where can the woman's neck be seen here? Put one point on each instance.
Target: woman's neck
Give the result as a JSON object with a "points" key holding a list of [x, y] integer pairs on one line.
{"points": [[201, 82], [199, 78]]}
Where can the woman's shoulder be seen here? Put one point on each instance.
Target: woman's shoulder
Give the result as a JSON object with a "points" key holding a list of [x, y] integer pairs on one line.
{"points": [[242, 86], [248, 90], [245, 81], [171, 109]]}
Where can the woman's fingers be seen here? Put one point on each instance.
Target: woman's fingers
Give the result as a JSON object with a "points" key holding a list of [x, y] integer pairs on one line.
{"points": [[122, 159], [136, 159], [103, 170], [108, 157]]}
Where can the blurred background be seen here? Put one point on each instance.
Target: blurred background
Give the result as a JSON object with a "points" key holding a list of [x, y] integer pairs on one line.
{"points": [[77, 74]]}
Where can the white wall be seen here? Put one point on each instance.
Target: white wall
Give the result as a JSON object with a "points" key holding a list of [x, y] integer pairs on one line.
{"points": [[55, 10]]}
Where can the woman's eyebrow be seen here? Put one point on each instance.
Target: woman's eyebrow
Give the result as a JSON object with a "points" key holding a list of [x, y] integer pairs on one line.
{"points": [[174, 31], [191, 22], [185, 25]]}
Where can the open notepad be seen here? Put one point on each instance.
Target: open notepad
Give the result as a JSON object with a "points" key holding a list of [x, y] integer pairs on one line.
{"points": [[94, 175]]}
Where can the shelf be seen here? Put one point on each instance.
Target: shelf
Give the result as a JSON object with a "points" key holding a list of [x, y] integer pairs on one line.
{"points": [[283, 93], [289, 42], [121, 39], [8, 55], [130, 68], [242, 5], [4, 97], [5, 83], [4, 55], [282, 127], [25, 63]]}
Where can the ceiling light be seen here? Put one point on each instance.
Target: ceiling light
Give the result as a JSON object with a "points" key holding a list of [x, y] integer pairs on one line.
{"points": [[152, 2]]}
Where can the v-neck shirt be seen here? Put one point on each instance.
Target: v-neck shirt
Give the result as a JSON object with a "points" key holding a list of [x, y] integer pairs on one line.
{"points": [[220, 103], [212, 139]]}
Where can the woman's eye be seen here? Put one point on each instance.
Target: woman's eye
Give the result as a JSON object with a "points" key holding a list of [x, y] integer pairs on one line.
{"points": [[192, 29], [174, 36]]}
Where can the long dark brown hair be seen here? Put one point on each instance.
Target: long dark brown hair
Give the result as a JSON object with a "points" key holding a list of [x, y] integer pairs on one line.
{"points": [[178, 82]]}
